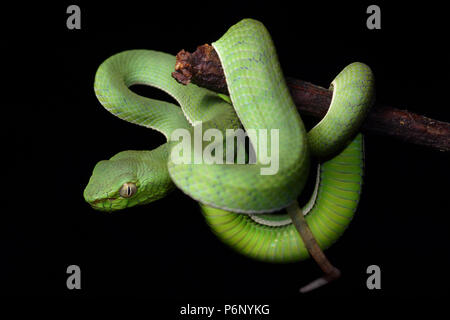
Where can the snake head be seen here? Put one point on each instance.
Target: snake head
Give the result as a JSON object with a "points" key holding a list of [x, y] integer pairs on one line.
{"points": [[128, 179], [113, 185]]}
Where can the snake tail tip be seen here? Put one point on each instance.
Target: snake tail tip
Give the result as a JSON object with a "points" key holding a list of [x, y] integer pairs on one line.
{"points": [[320, 282]]}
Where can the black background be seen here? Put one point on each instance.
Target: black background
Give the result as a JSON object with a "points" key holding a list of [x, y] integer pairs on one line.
{"points": [[164, 251]]}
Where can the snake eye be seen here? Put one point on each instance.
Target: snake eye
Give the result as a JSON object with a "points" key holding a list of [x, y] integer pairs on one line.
{"points": [[127, 190]]}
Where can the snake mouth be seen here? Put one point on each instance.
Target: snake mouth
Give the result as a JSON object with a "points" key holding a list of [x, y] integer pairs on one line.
{"points": [[102, 200], [104, 204]]}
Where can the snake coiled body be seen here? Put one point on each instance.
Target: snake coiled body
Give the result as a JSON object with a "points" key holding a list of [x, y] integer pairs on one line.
{"points": [[328, 213], [236, 199]]}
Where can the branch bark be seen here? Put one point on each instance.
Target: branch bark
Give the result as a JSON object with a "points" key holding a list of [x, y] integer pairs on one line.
{"points": [[203, 68]]}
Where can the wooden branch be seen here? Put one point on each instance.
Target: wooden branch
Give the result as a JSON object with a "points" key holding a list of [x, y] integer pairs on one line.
{"points": [[403, 125], [203, 68]]}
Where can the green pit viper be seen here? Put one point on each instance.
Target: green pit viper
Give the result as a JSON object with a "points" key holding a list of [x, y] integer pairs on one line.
{"points": [[241, 205]]}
